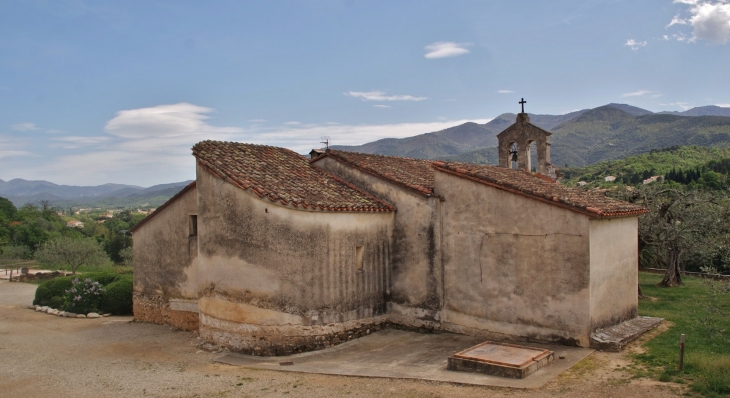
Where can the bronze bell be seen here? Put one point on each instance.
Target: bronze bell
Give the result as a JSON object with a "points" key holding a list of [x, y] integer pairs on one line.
{"points": [[514, 156]]}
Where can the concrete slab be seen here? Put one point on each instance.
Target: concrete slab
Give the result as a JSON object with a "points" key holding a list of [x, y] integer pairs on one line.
{"points": [[405, 355], [501, 359], [615, 338]]}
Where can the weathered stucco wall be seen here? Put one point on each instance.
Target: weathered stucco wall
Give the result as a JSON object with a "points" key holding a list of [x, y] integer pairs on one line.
{"points": [[165, 264], [514, 266], [274, 279], [614, 271], [415, 292]]}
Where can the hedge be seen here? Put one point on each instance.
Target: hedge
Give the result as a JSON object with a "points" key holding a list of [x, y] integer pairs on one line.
{"points": [[117, 299]]}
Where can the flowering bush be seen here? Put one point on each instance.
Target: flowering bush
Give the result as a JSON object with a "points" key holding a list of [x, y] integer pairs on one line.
{"points": [[83, 296]]}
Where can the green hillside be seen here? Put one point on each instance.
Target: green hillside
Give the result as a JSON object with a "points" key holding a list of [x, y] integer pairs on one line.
{"points": [[479, 156], [656, 162], [608, 133]]}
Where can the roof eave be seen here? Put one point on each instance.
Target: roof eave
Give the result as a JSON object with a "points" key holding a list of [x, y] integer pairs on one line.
{"points": [[164, 205], [588, 211]]}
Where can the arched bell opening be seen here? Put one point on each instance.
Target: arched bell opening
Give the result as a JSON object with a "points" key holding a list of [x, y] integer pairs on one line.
{"points": [[532, 156], [513, 156]]}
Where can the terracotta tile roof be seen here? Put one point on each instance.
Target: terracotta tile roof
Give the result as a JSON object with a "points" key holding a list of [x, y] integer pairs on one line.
{"points": [[593, 204], [415, 174], [164, 205], [283, 176]]}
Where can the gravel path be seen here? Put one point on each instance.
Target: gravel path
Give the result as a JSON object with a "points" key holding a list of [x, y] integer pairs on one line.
{"points": [[46, 356]]}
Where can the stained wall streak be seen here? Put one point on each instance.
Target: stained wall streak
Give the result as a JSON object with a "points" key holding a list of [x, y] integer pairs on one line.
{"points": [[265, 265], [413, 277]]}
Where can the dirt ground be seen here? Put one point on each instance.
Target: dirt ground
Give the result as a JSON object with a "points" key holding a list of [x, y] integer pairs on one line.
{"points": [[42, 356]]}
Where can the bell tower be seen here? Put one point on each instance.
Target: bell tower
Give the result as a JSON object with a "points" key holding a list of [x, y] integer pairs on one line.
{"points": [[515, 142]]}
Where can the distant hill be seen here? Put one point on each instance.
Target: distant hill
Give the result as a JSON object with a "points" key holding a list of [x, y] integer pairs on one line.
{"points": [[709, 110], [631, 110], [454, 140], [607, 133], [582, 137], [20, 187], [21, 191]]}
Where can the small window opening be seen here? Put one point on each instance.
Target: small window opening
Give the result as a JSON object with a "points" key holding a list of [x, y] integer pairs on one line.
{"points": [[358, 258], [194, 225]]}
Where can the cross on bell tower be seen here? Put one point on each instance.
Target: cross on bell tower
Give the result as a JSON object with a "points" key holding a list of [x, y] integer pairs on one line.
{"points": [[523, 102]]}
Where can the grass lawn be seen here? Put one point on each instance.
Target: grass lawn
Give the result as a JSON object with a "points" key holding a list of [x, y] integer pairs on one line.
{"points": [[701, 310]]}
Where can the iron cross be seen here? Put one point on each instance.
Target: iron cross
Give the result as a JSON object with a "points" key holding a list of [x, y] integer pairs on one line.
{"points": [[523, 102]]}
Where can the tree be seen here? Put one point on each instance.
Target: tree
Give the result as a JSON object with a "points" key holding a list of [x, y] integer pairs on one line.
{"points": [[678, 222], [7, 209], [71, 253], [127, 256]]}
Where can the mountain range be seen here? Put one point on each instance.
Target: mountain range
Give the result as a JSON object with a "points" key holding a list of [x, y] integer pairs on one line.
{"points": [[578, 138], [20, 192]]}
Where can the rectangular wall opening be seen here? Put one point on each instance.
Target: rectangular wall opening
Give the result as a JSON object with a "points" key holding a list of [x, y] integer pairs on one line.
{"points": [[358, 258], [193, 225]]}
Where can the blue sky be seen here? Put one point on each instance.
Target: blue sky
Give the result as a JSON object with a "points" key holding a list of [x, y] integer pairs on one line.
{"points": [[118, 91]]}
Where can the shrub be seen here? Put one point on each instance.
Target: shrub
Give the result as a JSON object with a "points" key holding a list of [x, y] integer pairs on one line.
{"points": [[83, 296], [52, 288], [105, 278], [117, 299]]}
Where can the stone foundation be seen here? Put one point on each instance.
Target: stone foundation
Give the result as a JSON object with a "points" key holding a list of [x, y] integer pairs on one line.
{"points": [[284, 339], [156, 309]]}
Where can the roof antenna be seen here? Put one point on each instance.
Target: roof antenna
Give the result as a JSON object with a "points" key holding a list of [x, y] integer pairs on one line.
{"points": [[326, 142]]}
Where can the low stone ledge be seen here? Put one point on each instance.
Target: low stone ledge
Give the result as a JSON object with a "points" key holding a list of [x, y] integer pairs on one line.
{"points": [[64, 314], [615, 338]]}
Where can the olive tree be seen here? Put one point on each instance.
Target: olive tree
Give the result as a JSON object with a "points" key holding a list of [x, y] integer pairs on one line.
{"points": [[71, 253], [678, 222]]}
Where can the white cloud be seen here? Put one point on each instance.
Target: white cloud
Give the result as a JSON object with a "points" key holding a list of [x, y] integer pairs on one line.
{"points": [[257, 120], [677, 21], [14, 147], [444, 49], [505, 91], [151, 145], [12, 153], [723, 105], [382, 106], [640, 93], [74, 141], [677, 36], [178, 120], [382, 96], [710, 20], [24, 127], [294, 123], [635, 45], [683, 105]]}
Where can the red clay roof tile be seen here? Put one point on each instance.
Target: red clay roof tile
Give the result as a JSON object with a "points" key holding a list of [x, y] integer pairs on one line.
{"points": [[283, 176], [594, 204], [415, 174]]}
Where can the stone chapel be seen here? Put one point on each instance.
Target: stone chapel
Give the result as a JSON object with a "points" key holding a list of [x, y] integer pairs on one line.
{"points": [[268, 252]]}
